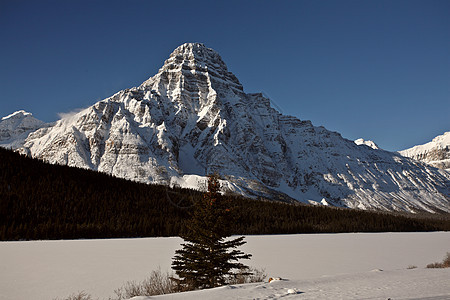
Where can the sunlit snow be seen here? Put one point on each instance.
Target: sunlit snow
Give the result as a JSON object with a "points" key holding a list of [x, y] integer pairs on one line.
{"points": [[316, 266]]}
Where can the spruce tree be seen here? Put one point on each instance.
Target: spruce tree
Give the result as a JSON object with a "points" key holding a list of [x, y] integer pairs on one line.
{"points": [[208, 259]]}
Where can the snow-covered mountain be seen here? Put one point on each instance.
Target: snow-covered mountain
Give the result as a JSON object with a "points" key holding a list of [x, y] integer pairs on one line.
{"points": [[15, 128], [435, 153], [193, 118], [368, 143]]}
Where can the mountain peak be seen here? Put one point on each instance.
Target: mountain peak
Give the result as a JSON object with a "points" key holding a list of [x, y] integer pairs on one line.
{"points": [[435, 153], [199, 57], [192, 63], [196, 51], [17, 114], [190, 47], [15, 128]]}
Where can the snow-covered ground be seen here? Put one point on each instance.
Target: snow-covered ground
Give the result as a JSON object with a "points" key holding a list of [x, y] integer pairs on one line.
{"points": [[319, 266], [399, 284]]}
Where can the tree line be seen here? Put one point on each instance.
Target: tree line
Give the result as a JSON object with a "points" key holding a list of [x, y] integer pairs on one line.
{"points": [[43, 201]]}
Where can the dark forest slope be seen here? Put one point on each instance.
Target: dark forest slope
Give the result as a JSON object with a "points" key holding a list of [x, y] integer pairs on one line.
{"points": [[44, 201]]}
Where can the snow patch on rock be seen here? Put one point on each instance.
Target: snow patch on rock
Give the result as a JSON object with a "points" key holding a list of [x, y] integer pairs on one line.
{"points": [[368, 143]]}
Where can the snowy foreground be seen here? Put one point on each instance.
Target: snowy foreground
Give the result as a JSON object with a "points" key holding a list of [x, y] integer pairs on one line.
{"points": [[400, 284], [319, 266]]}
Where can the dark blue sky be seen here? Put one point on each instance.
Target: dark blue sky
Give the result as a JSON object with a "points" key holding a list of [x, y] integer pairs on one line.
{"points": [[373, 69]]}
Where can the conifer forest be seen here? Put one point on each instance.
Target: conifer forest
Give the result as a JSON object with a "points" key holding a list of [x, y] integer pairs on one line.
{"points": [[44, 201]]}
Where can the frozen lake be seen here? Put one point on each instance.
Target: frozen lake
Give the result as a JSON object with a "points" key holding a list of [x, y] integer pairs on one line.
{"points": [[51, 269]]}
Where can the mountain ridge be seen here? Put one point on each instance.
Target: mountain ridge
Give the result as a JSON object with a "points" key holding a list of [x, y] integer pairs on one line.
{"points": [[435, 153], [193, 118]]}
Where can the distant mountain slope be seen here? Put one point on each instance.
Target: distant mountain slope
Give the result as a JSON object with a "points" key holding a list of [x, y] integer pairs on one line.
{"points": [[435, 153], [14, 129], [193, 118]]}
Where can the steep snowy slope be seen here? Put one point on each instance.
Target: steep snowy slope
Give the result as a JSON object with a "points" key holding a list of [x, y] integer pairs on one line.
{"points": [[193, 118], [15, 128], [435, 153]]}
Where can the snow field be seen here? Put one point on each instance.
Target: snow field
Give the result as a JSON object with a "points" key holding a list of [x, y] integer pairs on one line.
{"points": [[430, 284], [316, 266]]}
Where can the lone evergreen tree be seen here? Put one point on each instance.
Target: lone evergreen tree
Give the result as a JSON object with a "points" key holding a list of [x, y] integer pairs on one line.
{"points": [[207, 258]]}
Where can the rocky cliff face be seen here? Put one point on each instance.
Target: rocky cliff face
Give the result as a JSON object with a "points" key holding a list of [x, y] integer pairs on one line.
{"points": [[435, 153], [193, 118]]}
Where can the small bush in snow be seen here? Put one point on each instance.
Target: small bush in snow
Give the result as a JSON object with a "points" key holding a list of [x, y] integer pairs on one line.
{"points": [[80, 296], [158, 283], [444, 264]]}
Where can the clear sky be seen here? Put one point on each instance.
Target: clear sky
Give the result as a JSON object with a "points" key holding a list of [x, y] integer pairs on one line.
{"points": [[373, 69]]}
